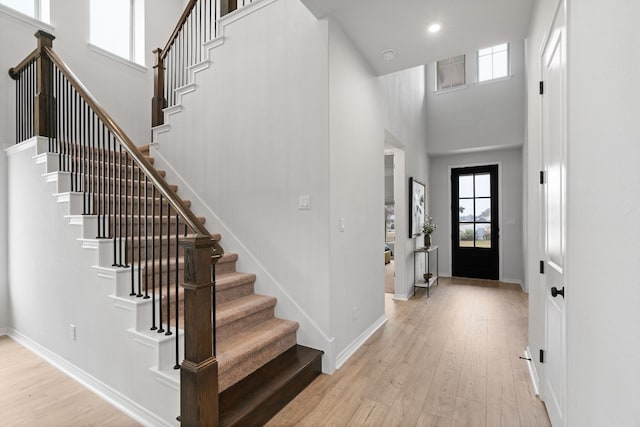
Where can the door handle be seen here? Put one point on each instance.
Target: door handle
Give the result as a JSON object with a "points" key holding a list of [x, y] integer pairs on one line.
{"points": [[555, 292]]}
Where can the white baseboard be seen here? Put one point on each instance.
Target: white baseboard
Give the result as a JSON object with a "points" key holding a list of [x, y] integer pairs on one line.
{"points": [[402, 297], [357, 343], [535, 379], [4, 331], [109, 394]]}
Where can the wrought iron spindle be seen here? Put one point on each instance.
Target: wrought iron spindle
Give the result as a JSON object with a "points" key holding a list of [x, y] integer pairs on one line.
{"points": [[139, 294], [146, 239], [160, 311], [153, 258], [177, 298]]}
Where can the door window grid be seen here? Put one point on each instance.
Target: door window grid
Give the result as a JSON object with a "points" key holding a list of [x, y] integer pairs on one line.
{"points": [[474, 220]]}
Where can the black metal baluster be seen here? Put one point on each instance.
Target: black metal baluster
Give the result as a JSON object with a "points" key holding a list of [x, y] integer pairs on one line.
{"points": [[160, 330], [58, 117], [92, 188], [126, 212], [146, 240], [18, 105], [153, 258], [177, 365], [121, 216], [139, 238], [83, 150], [72, 138], [169, 271]]}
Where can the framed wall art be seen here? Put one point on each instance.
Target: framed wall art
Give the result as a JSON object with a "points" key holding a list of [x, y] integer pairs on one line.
{"points": [[417, 193]]}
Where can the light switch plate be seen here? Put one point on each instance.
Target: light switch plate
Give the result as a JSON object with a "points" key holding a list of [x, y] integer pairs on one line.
{"points": [[304, 202]]}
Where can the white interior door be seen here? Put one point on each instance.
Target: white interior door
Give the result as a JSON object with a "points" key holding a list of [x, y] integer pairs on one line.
{"points": [[554, 214]]}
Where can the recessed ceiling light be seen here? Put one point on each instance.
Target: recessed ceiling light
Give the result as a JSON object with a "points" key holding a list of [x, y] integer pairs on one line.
{"points": [[434, 28], [388, 54]]}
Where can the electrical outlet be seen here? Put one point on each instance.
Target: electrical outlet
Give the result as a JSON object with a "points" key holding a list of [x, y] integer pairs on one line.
{"points": [[72, 332], [354, 313]]}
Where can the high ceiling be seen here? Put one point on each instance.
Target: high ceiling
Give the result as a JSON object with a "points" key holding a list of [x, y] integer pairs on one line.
{"points": [[401, 25]]}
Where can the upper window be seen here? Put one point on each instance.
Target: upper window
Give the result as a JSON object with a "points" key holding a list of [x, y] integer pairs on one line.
{"points": [[450, 72], [493, 62], [116, 27], [38, 9]]}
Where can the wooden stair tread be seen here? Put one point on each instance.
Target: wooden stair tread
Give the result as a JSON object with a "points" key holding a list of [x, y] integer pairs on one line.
{"points": [[251, 340], [257, 398]]}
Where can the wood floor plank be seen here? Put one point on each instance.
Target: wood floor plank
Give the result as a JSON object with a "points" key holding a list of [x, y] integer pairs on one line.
{"points": [[35, 393], [448, 360]]}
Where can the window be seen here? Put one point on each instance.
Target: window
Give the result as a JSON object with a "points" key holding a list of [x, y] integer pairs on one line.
{"points": [[493, 62], [474, 206], [450, 72], [117, 27], [38, 9]]}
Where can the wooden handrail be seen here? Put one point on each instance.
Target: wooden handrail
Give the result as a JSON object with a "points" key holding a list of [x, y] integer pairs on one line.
{"points": [[14, 72], [144, 165], [179, 25]]}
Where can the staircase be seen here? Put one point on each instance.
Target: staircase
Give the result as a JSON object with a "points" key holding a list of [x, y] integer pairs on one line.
{"points": [[135, 221]]}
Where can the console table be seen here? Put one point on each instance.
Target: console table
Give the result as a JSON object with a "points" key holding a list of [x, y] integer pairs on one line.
{"points": [[420, 282]]}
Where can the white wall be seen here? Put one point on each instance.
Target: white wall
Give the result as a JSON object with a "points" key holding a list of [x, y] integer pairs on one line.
{"points": [[403, 100], [603, 288], [251, 139], [603, 188], [510, 206], [356, 174], [4, 290], [488, 114]]}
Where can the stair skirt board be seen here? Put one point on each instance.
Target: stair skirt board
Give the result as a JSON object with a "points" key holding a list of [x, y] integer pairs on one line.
{"points": [[251, 338]]}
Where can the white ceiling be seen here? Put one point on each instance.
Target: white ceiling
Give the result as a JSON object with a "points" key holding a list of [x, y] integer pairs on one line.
{"points": [[467, 25]]}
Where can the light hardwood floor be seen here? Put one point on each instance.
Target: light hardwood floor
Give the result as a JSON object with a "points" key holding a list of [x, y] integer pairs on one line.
{"points": [[450, 360], [34, 393]]}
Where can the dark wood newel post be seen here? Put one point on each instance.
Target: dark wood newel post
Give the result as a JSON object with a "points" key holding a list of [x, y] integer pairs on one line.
{"points": [[158, 103], [44, 101], [199, 372]]}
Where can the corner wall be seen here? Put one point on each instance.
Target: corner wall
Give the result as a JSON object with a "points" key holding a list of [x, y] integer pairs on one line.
{"points": [[4, 238], [603, 196], [356, 174], [404, 112], [510, 207]]}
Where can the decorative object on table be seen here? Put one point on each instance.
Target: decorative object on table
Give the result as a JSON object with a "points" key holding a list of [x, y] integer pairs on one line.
{"points": [[427, 228], [416, 207], [427, 276]]}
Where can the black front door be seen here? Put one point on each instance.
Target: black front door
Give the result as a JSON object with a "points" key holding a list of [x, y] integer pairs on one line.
{"points": [[474, 220]]}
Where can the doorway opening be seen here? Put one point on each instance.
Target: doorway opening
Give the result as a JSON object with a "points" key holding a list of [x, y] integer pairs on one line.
{"points": [[389, 224]]}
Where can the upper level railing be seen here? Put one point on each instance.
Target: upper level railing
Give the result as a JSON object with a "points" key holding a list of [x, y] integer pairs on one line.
{"points": [[154, 233], [185, 48]]}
